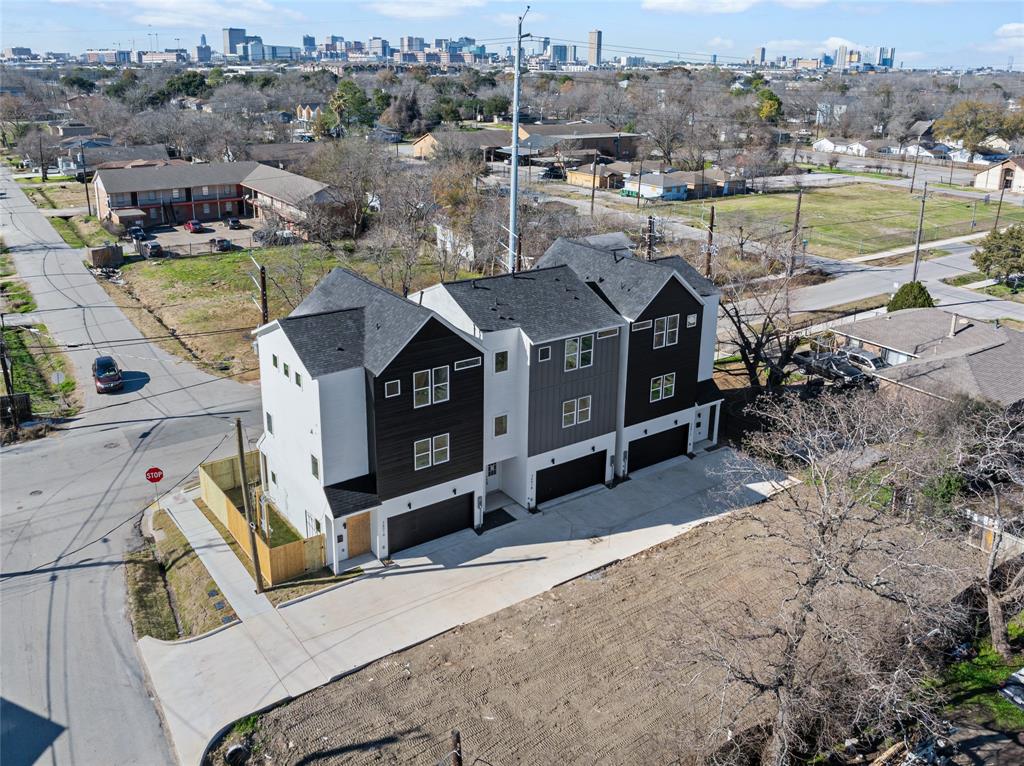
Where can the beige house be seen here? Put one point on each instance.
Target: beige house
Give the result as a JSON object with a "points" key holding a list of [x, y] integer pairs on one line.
{"points": [[603, 177], [486, 141], [1008, 174]]}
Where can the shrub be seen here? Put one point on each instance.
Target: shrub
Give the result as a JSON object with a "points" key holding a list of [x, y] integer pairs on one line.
{"points": [[912, 295]]}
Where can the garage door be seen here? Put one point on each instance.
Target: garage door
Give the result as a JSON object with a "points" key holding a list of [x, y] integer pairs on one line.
{"points": [[430, 522], [568, 477], [657, 447]]}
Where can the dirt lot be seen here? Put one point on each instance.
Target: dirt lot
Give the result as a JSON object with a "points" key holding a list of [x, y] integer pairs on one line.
{"points": [[63, 194], [594, 671]]}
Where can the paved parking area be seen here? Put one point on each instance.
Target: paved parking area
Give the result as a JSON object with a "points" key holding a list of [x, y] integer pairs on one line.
{"points": [[177, 240]]}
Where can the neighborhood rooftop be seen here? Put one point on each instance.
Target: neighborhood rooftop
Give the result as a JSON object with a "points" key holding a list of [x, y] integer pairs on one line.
{"points": [[926, 332], [546, 303], [628, 283], [272, 181]]}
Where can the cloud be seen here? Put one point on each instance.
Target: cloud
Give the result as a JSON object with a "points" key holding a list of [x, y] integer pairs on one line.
{"points": [[721, 6], [198, 14], [422, 9], [720, 42], [509, 20], [1009, 38]]}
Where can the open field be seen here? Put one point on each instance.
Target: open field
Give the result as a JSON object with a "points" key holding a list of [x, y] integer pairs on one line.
{"points": [[1005, 292], [207, 301], [844, 172], [602, 669], [848, 220], [56, 195], [82, 231]]}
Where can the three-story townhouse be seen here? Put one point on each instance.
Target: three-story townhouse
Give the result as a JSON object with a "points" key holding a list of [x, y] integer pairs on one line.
{"points": [[374, 420]]}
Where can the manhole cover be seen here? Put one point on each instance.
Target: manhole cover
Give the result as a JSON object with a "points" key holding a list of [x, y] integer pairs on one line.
{"points": [[110, 445], [36, 492]]}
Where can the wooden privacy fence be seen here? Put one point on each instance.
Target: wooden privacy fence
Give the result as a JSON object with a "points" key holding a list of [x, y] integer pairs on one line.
{"points": [[277, 564], [983, 535]]}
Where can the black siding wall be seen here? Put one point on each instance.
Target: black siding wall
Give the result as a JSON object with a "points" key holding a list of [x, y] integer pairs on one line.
{"points": [[645, 361], [396, 424]]}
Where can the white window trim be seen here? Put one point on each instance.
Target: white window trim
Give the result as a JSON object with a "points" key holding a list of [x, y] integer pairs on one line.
{"points": [[644, 325], [544, 353], [655, 390], [565, 413], [507, 365], [397, 392], [666, 331], [608, 333], [577, 355], [588, 351], [434, 399], [691, 321], [665, 382], [465, 364], [434, 449], [415, 454], [580, 408], [416, 389], [494, 425]]}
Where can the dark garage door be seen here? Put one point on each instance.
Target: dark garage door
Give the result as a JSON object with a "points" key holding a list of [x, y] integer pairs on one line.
{"points": [[568, 477], [430, 522], [657, 447]]}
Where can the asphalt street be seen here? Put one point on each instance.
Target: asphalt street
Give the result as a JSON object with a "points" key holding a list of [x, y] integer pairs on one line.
{"points": [[73, 687]]}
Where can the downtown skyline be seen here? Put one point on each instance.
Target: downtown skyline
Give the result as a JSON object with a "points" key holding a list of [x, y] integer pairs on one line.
{"points": [[924, 32]]}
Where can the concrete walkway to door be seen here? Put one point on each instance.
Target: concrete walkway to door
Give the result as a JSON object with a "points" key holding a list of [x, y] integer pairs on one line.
{"points": [[206, 684]]}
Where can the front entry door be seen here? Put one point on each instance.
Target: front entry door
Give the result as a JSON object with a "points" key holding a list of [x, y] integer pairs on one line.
{"points": [[493, 477], [358, 527]]}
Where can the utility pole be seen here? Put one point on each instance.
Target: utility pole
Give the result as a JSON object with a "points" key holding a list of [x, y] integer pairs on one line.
{"points": [[85, 178], [920, 229], [649, 238], [796, 234], [8, 376], [261, 283], [513, 201], [999, 208], [456, 748], [593, 183], [248, 506], [639, 176], [974, 215], [917, 156], [711, 242]]}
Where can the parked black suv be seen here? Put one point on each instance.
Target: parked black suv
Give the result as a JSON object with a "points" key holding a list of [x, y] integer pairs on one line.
{"points": [[831, 367]]}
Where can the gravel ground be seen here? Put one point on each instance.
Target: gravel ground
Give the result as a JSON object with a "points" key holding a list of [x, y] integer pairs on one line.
{"points": [[595, 671]]}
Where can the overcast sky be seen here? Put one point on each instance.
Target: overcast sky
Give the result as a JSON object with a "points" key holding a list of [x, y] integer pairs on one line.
{"points": [[924, 32]]}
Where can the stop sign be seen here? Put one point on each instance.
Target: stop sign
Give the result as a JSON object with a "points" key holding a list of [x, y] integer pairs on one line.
{"points": [[154, 475]]}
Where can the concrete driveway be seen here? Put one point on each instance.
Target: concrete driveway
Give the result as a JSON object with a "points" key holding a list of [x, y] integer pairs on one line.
{"points": [[205, 684], [73, 688]]}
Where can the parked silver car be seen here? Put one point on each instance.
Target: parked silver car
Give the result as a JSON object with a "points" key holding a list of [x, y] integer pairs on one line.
{"points": [[868, 361]]}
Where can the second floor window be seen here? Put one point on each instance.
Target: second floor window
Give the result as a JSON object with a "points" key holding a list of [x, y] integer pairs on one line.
{"points": [[428, 452], [579, 352], [663, 387], [576, 411], [430, 387], [270, 423], [500, 361], [315, 466], [666, 331]]}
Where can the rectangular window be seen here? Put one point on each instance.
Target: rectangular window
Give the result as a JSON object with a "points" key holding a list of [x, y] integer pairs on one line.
{"points": [[270, 423], [586, 350], [206, 209], [465, 364], [569, 413], [440, 449], [284, 369], [666, 331], [392, 389], [273, 477], [583, 409], [421, 454], [175, 193], [668, 386], [298, 380], [315, 465], [572, 354], [440, 384], [273, 360], [500, 361], [543, 353], [645, 325], [691, 320], [608, 333], [656, 388], [227, 207], [206, 191], [421, 388], [501, 425]]}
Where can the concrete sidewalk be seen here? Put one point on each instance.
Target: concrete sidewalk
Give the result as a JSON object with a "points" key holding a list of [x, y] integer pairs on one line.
{"points": [[205, 684], [910, 248], [220, 561]]}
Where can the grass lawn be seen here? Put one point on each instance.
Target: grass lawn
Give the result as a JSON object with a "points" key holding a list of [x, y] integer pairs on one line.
{"points": [[1013, 324], [81, 231], [965, 279], [847, 172], [169, 587], [34, 359], [17, 298], [972, 685], [281, 532], [1005, 292], [848, 220], [39, 179], [300, 586], [215, 292]]}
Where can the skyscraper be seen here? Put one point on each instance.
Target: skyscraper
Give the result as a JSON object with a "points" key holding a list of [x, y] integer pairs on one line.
{"points": [[759, 57], [232, 39], [842, 57], [594, 51], [559, 54], [308, 43]]}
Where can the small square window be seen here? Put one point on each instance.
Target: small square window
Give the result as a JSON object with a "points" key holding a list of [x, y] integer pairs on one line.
{"points": [[315, 465], [206, 190], [273, 477], [341, 538], [392, 388], [691, 320], [440, 449], [500, 361], [270, 423], [273, 360], [543, 353], [421, 454], [583, 409], [501, 425], [298, 380]]}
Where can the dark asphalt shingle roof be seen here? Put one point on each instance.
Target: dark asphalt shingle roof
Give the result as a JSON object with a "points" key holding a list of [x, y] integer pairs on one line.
{"points": [[327, 341], [629, 283], [352, 495], [389, 321], [545, 303]]}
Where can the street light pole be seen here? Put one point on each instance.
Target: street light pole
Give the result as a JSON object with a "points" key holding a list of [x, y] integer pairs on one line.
{"points": [[513, 201]]}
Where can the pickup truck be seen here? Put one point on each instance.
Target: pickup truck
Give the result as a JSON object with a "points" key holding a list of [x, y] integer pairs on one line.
{"points": [[831, 367]]}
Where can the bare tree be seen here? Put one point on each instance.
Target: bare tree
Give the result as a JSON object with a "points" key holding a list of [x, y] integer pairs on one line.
{"points": [[356, 171], [41, 148]]}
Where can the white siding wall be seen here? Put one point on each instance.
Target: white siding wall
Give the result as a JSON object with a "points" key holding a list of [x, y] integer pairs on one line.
{"points": [[438, 299], [296, 420], [708, 338], [343, 409]]}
